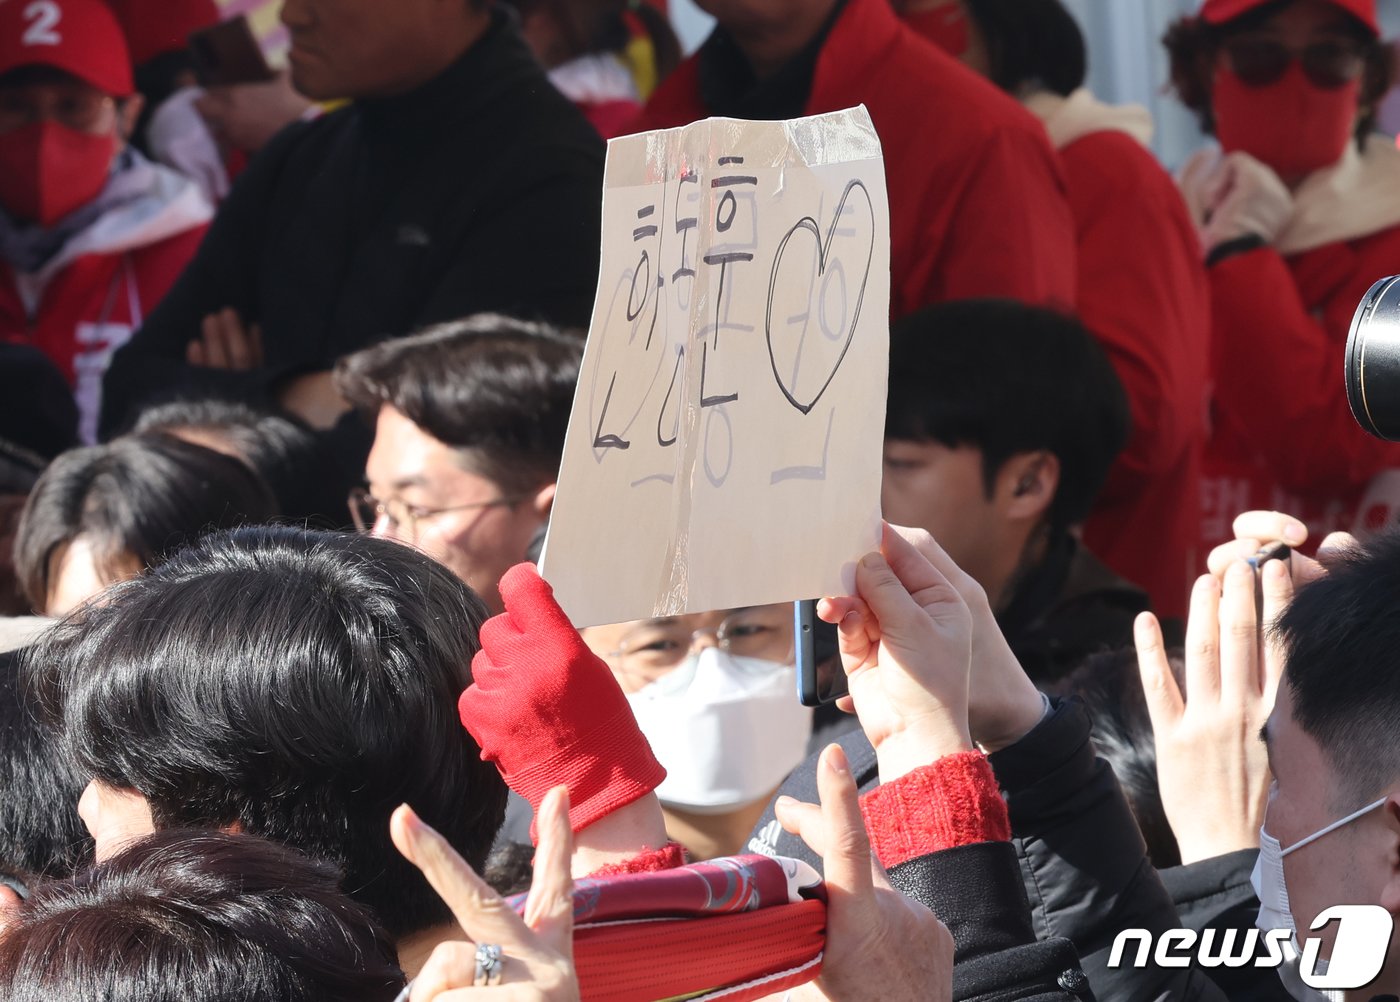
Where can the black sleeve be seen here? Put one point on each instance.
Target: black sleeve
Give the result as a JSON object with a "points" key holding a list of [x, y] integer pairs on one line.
{"points": [[976, 891], [1083, 861], [221, 274]]}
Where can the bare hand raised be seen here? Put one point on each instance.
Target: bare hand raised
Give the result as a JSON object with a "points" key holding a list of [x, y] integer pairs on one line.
{"points": [[537, 949], [879, 944], [906, 641], [1212, 769]]}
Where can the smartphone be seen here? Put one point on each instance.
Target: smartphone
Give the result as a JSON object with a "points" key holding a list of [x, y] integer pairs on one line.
{"points": [[228, 53], [820, 677], [1273, 551]]}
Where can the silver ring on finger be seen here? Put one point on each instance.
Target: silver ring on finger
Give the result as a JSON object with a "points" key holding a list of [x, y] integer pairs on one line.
{"points": [[489, 960]]}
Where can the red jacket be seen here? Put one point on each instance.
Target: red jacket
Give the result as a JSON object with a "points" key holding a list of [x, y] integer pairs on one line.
{"points": [[977, 206], [1284, 437], [1144, 294], [87, 300]]}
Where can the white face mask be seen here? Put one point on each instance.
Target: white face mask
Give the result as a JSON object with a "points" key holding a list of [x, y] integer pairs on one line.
{"points": [[1271, 888], [728, 729]]}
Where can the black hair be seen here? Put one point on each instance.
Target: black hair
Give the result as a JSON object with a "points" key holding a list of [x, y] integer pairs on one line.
{"points": [[1008, 378], [1110, 686], [138, 497], [1192, 46], [41, 834], [297, 683], [497, 388], [1031, 42], [1339, 637], [156, 80], [283, 450], [197, 915], [142, 496]]}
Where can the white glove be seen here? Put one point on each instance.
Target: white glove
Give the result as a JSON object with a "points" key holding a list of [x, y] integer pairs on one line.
{"points": [[1234, 196]]}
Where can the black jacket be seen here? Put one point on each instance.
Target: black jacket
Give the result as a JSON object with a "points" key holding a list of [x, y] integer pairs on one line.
{"points": [[1083, 864], [976, 891], [1216, 894], [480, 190]]}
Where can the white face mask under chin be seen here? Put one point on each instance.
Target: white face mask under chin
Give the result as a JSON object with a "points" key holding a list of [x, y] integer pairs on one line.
{"points": [[1270, 886], [727, 729]]}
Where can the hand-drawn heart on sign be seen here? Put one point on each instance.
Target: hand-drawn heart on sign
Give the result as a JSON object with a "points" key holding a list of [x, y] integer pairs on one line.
{"points": [[842, 263]]}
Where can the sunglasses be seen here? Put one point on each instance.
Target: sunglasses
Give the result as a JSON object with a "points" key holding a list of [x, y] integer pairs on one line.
{"points": [[1260, 62]]}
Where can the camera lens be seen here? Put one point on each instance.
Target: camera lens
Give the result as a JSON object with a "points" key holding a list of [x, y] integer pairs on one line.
{"points": [[1373, 361]]}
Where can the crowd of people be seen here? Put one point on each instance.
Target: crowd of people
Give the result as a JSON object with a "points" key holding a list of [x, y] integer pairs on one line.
{"points": [[287, 360]]}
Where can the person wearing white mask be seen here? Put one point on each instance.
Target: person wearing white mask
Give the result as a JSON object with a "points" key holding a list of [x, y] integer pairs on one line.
{"points": [[715, 694], [1331, 832]]}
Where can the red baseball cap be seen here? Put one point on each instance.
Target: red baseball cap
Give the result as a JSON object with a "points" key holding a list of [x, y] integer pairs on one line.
{"points": [[1220, 11], [155, 27], [81, 37]]}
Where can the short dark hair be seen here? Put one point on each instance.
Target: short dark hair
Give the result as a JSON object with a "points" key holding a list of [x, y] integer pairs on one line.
{"points": [[1192, 46], [41, 834], [1110, 686], [1339, 637], [197, 915], [301, 684], [284, 451], [498, 388], [1009, 378], [1031, 42], [141, 495]]}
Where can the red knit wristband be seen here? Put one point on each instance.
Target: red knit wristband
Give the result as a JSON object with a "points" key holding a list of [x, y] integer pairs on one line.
{"points": [[955, 801], [668, 857]]}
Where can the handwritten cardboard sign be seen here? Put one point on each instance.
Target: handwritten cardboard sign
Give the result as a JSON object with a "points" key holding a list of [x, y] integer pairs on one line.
{"points": [[724, 447]]}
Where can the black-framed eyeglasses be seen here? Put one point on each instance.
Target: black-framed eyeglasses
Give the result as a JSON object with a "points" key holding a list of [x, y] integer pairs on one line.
{"points": [[653, 646], [367, 511], [1259, 62]]}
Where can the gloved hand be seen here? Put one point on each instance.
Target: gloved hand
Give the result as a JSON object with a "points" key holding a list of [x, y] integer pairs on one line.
{"points": [[548, 711], [1234, 196]]}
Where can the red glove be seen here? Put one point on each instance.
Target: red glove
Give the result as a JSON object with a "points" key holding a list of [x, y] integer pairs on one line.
{"points": [[548, 711]]}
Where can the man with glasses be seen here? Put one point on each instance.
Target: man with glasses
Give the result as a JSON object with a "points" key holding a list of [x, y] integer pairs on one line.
{"points": [[715, 693], [92, 235], [1299, 213], [469, 422]]}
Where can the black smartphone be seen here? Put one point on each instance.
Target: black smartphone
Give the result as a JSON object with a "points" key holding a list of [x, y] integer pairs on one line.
{"points": [[820, 677], [1273, 551], [228, 53]]}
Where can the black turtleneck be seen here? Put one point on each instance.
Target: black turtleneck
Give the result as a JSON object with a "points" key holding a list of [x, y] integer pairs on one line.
{"points": [[479, 190]]}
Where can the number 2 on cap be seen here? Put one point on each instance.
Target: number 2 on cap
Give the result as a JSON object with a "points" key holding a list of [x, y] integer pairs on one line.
{"points": [[43, 17]]}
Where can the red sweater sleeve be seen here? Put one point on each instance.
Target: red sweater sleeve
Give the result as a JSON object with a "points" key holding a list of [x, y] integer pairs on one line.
{"points": [[955, 801], [1278, 376]]}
